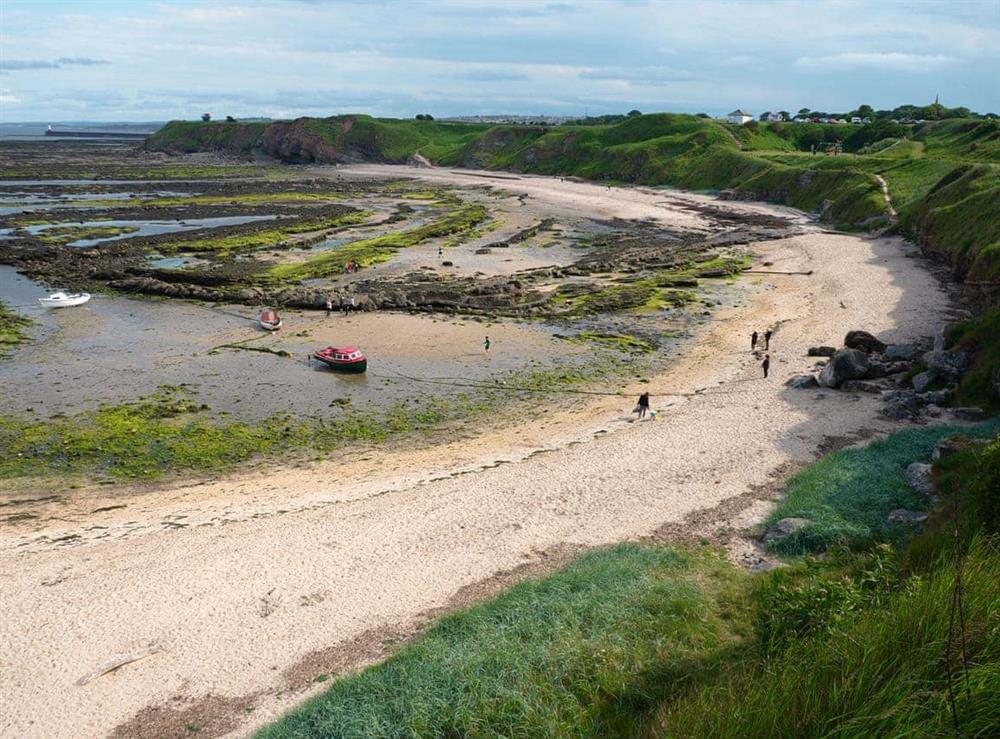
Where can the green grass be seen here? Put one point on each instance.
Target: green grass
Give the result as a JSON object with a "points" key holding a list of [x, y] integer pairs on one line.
{"points": [[848, 494], [12, 330], [366, 252], [981, 337], [578, 653], [943, 177], [880, 672]]}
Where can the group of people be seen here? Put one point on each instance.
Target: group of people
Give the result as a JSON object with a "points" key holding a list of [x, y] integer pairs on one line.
{"points": [[346, 305], [351, 268], [765, 364]]}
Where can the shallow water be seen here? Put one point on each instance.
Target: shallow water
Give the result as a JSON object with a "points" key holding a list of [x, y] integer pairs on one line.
{"points": [[147, 227], [118, 349]]}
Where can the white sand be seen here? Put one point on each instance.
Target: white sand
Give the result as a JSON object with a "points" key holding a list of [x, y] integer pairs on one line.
{"points": [[280, 564]]}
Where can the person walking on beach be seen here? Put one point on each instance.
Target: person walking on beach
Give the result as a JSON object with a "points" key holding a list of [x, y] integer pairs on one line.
{"points": [[486, 345], [329, 306], [766, 364], [440, 252], [767, 339], [753, 341], [643, 405]]}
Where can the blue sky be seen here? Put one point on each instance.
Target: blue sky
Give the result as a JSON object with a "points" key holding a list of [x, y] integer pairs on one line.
{"points": [[136, 60]]}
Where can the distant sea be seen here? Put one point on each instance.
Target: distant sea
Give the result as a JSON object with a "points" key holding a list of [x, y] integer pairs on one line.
{"points": [[34, 131]]}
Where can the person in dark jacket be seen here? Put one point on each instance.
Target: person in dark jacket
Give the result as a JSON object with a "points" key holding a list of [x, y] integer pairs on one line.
{"points": [[766, 364], [767, 339], [643, 405], [753, 341]]}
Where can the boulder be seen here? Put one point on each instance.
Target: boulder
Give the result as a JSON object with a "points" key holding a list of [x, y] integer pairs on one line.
{"points": [[861, 386], [418, 160], [863, 341], [801, 382], [937, 397], [900, 404], [901, 353], [946, 365], [785, 528], [918, 477], [846, 364], [876, 369], [904, 517], [921, 381], [954, 445], [968, 414], [821, 351]]}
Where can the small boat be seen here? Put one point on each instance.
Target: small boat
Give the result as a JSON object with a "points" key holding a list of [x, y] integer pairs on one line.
{"points": [[269, 320], [63, 300], [343, 358]]}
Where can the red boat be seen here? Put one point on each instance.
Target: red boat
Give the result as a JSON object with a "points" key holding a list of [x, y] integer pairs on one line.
{"points": [[269, 320], [343, 358]]}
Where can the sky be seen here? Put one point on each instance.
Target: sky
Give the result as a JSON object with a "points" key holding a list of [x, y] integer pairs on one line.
{"points": [[133, 60]]}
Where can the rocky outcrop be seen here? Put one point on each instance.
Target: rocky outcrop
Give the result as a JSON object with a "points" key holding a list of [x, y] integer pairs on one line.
{"points": [[846, 364], [900, 404], [903, 517], [784, 528], [821, 351], [945, 365], [901, 353], [863, 341], [918, 477], [801, 382]]}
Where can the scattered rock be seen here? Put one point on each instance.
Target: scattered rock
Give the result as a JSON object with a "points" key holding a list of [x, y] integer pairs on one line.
{"points": [[907, 518], [785, 528], [968, 414], [934, 411], [902, 353], [921, 381], [861, 386], [937, 397], [953, 445], [863, 341], [418, 160], [897, 368], [846, 364], [876, 369], [821, 351], [900, 404], [801, 382], [918, 477], [946, 365]]}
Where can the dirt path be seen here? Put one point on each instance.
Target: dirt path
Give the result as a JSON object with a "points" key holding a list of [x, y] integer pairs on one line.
{"points": [[271, 579], [888, 198]]}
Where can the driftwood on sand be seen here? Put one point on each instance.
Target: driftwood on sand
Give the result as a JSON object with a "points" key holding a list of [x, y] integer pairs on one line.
{"points": [[119, 662]]}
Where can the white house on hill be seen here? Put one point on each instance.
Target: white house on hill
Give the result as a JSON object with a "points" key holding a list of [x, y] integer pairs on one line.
{"points": [[739, 117]]}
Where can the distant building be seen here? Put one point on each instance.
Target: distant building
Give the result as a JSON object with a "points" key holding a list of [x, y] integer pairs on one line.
{"points": [[775, 117], [739, 117], [856, 120]]}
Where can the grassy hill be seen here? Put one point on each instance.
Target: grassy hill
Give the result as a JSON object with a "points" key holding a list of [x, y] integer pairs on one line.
{"points": [[943, 176]]}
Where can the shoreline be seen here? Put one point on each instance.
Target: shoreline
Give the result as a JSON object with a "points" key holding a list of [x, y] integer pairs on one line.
{"points": [[277, 590]]}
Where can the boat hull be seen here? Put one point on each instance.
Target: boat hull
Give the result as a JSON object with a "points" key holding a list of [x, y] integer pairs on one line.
{"points": [[267, 326], [350, 368], [67, 302]]}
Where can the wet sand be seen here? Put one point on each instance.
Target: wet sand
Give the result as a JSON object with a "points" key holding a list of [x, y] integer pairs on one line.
{"points": [[288, 573]]}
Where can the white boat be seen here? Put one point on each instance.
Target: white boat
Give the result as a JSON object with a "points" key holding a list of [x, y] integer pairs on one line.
{"points": [[269, 320], [64, 300]]}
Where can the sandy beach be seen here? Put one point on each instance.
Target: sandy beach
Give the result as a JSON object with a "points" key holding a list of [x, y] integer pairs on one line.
{"points": [[239, 592]]}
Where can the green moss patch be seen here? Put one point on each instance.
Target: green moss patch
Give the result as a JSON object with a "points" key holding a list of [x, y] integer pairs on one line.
{"points": [[12, 330]]}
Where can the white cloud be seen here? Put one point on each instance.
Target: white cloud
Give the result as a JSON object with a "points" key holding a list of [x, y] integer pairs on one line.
{"points": [[894, 60], [7, 99]]}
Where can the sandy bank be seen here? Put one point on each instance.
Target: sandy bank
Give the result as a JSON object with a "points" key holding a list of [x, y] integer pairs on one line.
{"points": [[285, 575]]}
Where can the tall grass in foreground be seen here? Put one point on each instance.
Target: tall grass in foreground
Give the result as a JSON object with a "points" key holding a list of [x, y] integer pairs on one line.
{"points": [[584, 652], [848, 494], [883, 673]]}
